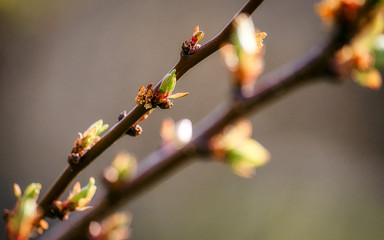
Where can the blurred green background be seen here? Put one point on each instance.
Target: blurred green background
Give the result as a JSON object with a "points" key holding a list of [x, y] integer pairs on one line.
{"points": [[66, 64]]}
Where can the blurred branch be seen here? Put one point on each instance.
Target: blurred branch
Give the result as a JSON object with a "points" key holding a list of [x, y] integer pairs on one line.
{"points": [[164, 161], [185, 63]]}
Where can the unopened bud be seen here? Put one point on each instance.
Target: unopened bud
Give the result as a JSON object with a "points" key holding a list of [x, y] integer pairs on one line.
{"points": [[82, 197], [17, 190], [169, 82], [32, 191]]}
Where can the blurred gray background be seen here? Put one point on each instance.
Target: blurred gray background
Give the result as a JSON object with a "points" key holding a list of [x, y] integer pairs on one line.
{"points": [[66, 64]]}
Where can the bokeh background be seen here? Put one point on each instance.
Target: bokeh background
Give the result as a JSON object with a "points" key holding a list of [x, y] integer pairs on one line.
{"points": [[66, 64]]}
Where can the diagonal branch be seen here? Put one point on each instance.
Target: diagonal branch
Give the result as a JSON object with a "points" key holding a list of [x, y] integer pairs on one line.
{"points": [[185, 63]]}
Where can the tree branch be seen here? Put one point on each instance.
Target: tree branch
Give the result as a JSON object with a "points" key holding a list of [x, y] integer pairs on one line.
{"points": [[185, 63], [164, 161]]}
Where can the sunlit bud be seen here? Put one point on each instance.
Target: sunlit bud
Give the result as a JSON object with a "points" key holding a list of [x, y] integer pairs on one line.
{"points": [[43, 224], [191, 46], [21, 221], [245, 157], [243, 57], [245, 34], [82, 197], [95, 129], [164, 95], [246, 38], [100, 127], [115, 227], [89, 137], [32, 191], [360, 59], [197, 35], [237, 149], [123, 167], [17, 190], [371, 78], [77, 200], [27, 215], [145, 96], [331, 11], [168, 83]]}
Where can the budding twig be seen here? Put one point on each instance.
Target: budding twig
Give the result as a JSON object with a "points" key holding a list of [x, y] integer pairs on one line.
{"points": [[164, 161], [185, 63]]}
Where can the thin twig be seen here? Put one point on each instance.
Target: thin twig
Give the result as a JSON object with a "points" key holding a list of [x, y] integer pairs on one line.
{"points": [[118, 130]]}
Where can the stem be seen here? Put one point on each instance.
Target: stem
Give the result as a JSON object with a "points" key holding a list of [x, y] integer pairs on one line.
{"points": [[185, 63]]}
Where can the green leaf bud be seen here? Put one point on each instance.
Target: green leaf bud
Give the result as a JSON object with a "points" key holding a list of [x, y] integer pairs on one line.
{"points": [[32, 191], [169, 82], [86, 192]]}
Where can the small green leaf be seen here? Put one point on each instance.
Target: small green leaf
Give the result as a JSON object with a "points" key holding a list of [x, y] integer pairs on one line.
{"points": [[88, 137], [125, 165], [199, 35], [102, 129], [32, 191], [247, 156], [370, 78], [26, 211], [86, 192], [179, 95], [96, 124]]}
